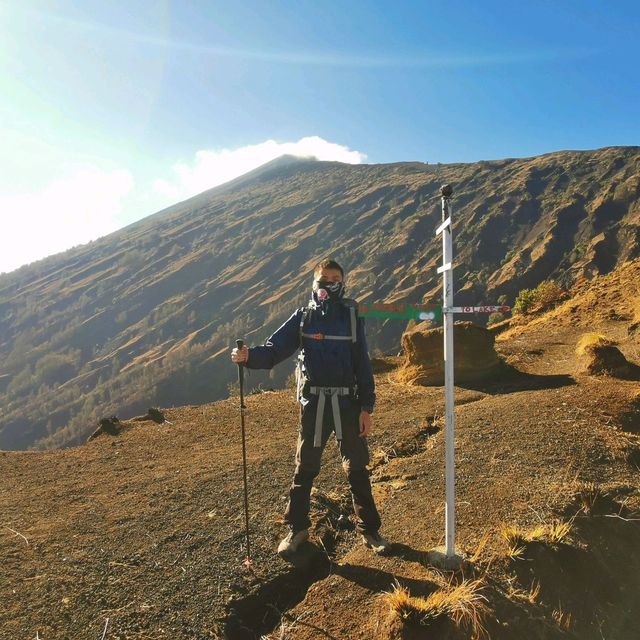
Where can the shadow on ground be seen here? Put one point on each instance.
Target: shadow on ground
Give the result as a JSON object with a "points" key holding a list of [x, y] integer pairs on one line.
{"points": [[511, 380]]}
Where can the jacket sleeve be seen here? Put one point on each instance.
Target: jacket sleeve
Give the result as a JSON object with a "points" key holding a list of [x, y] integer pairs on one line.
{"points": [[363, 371], [280, 346]]}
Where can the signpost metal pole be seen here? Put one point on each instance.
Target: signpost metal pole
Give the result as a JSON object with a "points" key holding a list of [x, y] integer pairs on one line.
{"points": [[447, 299], [446, 556]]}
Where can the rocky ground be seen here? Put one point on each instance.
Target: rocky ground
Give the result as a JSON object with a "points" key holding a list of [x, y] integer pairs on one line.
{"points": [[141, 535]]}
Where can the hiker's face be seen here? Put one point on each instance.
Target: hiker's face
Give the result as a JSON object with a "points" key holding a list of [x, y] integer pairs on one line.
{"points": [[327, 286], [327, 275]]}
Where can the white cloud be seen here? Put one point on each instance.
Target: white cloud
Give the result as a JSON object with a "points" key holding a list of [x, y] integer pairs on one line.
{"points": [[69, 211], [90, 202], [210, 168]]}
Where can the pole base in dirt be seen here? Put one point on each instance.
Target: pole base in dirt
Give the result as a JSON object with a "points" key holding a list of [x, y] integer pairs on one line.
{"points": [[438, 557]]}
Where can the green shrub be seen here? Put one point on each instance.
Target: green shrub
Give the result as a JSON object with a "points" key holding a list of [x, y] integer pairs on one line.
{"points": [[548, 293], [525, 300], [579, 250], [508, 256], [496, 317], [545, 295], [57, 367], [22, 383]]}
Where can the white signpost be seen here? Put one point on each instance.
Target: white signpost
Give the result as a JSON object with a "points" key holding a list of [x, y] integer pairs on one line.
{"points": [[446, 556], [451, 558], [447, 311]]}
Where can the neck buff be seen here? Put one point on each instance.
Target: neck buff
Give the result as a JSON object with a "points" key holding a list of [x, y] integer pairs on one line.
{"points": [[325, 291]]}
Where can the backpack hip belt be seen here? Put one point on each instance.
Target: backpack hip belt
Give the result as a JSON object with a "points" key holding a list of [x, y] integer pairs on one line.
{"points": [[322, 393]]}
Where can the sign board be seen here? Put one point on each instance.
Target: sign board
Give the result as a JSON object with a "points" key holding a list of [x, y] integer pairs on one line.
{"points": [[401, 311]]}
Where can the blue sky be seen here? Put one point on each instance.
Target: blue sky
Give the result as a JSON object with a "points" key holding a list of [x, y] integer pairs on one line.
{"points": [[110, 111]]}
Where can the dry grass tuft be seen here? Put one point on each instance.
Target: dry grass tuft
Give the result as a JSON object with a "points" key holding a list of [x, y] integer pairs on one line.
{"points": [[563, 620], [530, 596], [515, 551], [592, 340], [461, 603], [589, 495], [480, 548], [518, 538], [556, 532], [514, 535]]}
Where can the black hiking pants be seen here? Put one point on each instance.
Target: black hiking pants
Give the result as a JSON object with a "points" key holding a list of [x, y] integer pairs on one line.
{"points": [[355, 457]]}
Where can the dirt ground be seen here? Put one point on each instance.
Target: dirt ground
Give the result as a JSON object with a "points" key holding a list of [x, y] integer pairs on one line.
{"points": [[141, 535]]}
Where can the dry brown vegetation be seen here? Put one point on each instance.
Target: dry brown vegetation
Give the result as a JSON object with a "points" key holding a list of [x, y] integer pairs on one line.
{"points": [[552, 533], [461, 602]]}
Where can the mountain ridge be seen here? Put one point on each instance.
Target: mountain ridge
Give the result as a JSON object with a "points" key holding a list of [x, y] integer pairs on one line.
{"points": [[144, 317]]}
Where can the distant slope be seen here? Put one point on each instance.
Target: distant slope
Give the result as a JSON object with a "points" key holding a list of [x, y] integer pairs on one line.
{"points": [[610, 300], [146, 315]]}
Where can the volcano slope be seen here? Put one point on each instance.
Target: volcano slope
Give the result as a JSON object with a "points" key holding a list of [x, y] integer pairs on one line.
{"points": [[144, 316], [141, 535]]}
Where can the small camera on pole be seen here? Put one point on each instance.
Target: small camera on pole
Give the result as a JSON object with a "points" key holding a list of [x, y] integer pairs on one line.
{"points": [[446, 190]]}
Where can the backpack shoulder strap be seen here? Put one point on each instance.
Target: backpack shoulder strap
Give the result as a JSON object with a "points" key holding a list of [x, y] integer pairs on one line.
{"points": [[305, 311], [352, 305]]}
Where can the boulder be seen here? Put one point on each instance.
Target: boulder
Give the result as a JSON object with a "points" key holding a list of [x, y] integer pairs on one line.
{"points": [[152, 414], [607, 360], [475, 357], [107, 426]]}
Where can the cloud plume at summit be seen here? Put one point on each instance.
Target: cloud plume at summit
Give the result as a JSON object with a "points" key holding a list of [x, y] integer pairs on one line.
{"points": [[212, 167]]}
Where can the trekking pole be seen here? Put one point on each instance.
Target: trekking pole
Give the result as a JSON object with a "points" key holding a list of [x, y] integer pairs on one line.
{"points": [[247, 562]]}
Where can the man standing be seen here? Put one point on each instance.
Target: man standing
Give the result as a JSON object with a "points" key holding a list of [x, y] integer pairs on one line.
{"points": [[337, 393]]}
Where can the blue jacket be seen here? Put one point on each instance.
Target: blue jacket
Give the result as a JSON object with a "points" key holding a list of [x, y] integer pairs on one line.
{"points": [[326, 363]]}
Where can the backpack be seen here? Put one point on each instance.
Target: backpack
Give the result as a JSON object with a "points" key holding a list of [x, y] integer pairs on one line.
{"points": [[352, 305]]}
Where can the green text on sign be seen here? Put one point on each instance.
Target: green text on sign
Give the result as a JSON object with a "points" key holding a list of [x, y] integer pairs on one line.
{"points": [[401, 311]]}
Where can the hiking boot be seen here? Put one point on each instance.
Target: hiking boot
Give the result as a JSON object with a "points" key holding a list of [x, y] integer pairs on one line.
{"points": [[293, 541], [376, 543]]}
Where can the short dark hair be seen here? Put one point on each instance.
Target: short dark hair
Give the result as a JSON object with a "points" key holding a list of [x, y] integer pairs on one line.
{"points": [[327, 263]]}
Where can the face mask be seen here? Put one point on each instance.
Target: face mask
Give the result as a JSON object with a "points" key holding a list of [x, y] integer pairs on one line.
{"points": [[326, 291]]}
